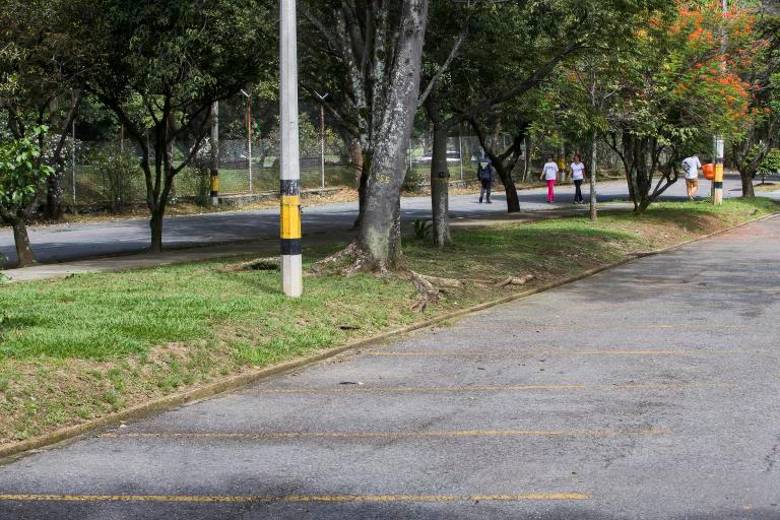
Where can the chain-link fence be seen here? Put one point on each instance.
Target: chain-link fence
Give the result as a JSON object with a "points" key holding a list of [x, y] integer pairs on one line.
{"points": [[107, 174]]}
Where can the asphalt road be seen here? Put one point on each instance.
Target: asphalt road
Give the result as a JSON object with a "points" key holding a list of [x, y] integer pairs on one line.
{"points": [[646, 392], [61, 243]]}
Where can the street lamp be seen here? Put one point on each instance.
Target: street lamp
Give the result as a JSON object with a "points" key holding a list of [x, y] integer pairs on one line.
{"points": [[249, 133], [322, 98], [289, 157]]}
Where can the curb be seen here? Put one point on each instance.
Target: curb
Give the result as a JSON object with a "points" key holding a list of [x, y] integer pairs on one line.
{"points": [[17, 450]]}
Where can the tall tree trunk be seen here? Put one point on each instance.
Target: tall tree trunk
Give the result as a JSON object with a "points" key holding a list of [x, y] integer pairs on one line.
{"points": [[156, 227], [356, 160], [440, 173], [24, 252], [748, 192], [53, 208], [362, 181], [512, 199], [379, 236]]}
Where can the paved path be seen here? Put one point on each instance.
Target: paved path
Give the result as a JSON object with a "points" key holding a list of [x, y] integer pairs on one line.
{"points": [[62, 243], [648, 391]]}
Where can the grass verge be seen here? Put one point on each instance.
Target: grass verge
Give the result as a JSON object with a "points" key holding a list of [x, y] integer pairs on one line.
{"points": [[77, 349]]}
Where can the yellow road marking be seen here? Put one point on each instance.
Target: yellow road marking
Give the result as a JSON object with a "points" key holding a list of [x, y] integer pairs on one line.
{"points": [[482, 388], [535, 353], [385, 435], [238, 499]]}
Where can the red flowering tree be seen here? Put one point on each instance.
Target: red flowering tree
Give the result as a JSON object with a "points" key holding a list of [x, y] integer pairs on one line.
{"points": [[677, 91]]}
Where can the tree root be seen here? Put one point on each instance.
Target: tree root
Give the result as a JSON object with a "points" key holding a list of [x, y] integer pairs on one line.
{"points": [[348, 255], [428, 293], [516, 280], [449, 283]]}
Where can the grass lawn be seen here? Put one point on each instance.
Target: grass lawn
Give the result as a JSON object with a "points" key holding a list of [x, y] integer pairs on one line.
{"points": [[76, 349]]}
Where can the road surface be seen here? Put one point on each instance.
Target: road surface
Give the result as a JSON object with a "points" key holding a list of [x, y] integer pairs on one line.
{"points": [[61, 243], [646, 392]]}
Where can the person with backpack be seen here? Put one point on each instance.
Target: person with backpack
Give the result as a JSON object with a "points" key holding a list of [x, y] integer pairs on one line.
{"points": [[485, 177]]}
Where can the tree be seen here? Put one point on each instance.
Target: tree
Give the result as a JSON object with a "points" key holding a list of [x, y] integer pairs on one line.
{"points": [[374, 51], [442, 49], [22, 176], [755, 53], [35, 84], [517, 48], [674, 96], [159, 66]]}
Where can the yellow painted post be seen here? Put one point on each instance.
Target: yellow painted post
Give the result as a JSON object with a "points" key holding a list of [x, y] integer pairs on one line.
{"points": [[717, 191], [290, 217]]}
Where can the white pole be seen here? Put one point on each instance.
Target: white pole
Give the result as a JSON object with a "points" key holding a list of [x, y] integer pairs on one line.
{"points": [[460, 152], [292, 268], [249, 138], [322, 98], [322, 143], [73, 161]]}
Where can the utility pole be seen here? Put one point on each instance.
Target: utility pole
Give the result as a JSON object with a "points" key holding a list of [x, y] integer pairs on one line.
{"points": [[292, 263], [460, 150], [214, 173], [718, 142], [249, 133], [322, 98], [73, 153]]}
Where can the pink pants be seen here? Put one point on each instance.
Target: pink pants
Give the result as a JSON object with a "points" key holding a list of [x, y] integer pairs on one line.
{"points": [[551, 191]]}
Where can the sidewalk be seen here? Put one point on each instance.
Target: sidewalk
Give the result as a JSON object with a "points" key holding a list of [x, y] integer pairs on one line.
{"points": [[264, 247]]}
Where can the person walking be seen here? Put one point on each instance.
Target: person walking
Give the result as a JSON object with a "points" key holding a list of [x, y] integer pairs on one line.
{"points": [[550, 175], [485, 177], [691, 166], [577, 175]]}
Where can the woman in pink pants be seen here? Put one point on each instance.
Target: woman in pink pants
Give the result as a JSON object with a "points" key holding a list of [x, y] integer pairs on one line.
{"points": [[550, 174]]}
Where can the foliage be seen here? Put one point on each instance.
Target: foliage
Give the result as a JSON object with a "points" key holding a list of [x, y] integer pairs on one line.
{"points": [[21, 173], [119, 170], [422, 228], [159, 66], [675, 90]]}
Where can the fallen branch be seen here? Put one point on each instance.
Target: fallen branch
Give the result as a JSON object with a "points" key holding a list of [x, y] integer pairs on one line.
{"points": [[450, 283], [516, 280]]}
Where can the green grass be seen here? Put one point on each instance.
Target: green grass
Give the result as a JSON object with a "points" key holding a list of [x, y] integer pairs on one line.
{"points": [[79, 348]]}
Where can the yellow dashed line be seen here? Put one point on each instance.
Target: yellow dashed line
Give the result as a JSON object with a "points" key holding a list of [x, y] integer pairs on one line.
{"points": [[502, 355], [481, 388], [384, 435], [227, 499]]}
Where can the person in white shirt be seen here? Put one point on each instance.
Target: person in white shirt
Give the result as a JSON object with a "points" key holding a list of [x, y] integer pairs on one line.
{"points": [[577, 175], [691, 166], [550, 175]]}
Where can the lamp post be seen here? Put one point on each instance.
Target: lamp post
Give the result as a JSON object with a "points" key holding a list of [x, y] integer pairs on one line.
{"points": [[718, 142], [290, 218], [322, 98], [249, 133]]}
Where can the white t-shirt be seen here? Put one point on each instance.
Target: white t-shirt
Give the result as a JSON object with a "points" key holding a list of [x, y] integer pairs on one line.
{"points": [[577, 170], [691, 167], [550, 171]]}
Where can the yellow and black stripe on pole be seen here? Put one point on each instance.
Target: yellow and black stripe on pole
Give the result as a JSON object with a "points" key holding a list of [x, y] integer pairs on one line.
{"points": [[717, 186], [290, 217]]}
